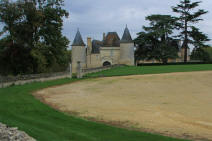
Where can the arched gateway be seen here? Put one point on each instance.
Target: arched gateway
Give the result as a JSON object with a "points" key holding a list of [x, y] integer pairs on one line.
{"points": [[106, 63]]}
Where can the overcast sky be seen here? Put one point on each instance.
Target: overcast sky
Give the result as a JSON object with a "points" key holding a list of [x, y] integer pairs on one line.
{"points": [[93, 17]]}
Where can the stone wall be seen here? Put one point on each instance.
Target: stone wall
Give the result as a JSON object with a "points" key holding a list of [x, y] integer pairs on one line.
{"points": [[93, 61], [98, 69], [13, 134], [6, 81]]}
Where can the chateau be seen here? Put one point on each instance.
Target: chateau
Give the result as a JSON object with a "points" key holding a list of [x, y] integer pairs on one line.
{"points": [[110, 51]]}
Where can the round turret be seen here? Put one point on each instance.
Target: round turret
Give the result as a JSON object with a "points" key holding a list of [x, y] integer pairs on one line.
{"points": [[78, 52], [127, 49]]}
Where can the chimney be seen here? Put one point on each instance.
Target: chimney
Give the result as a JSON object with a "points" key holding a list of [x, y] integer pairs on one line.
{"points": [[89, 44], [104, 37]]}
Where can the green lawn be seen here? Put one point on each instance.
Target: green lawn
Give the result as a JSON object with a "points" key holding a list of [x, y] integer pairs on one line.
{"points": [[20, 109], [131, 70]]}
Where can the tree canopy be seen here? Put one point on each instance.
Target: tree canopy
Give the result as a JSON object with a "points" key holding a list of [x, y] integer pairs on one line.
{"points": [[187, 18], [156, 42], [33, 40]]}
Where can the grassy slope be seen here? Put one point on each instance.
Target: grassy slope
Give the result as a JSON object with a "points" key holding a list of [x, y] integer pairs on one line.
{"points": [[131, 70], [19, 108]]}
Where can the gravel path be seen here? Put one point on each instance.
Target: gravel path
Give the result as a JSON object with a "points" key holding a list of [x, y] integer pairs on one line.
{"points": [[13, 134]]}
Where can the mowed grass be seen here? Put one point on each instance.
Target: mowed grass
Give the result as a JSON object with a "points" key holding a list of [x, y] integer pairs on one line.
{"points": [[18, 108], [132, 70]]}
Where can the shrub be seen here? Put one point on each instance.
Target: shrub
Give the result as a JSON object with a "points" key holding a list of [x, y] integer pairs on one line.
{"points": [[203, 54], [207, 55]]}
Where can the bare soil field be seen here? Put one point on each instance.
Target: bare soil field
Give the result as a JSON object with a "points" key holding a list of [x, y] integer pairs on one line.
{"points": [[174, 104]]}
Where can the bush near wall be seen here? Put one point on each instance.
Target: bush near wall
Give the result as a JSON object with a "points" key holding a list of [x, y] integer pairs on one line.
{"points": [[204, 54], [207, 55]]}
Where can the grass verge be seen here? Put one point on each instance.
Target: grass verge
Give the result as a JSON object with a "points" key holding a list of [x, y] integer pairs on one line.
{"points": [[132, 70]]}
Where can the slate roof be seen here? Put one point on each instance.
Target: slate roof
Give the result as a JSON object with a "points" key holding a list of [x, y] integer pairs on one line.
{"points": [[112, 40], [78, 40], [96, 44], [126, 38]]}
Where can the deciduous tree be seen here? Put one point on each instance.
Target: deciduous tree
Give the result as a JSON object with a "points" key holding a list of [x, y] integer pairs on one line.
{"points": [[33, 40]]}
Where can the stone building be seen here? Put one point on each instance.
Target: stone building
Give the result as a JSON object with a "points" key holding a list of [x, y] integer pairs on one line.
{"points": [[110, 51]]}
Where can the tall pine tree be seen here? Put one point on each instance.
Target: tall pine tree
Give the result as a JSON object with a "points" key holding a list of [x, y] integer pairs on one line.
{"points": [[188, 17], [156, 42]]}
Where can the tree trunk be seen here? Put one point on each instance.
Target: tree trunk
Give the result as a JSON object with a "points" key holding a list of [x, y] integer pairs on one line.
{"points": [[185, 43], [165, 61]]}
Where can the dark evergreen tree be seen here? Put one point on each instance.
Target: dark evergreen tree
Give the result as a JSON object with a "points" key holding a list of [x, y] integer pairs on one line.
{"points": [[188, 17], [157, 41]]}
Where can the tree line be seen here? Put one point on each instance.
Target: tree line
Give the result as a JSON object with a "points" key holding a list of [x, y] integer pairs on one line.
{"points": [[160, 40], [31, 40]]}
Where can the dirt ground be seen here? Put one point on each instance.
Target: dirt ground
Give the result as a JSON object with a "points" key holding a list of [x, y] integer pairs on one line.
{"points": [[175, 104]]}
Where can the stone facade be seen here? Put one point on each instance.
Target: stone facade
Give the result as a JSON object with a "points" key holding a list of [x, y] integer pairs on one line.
{"points": [[7, 81], [127, 54], [110, 51], [182, 53]]}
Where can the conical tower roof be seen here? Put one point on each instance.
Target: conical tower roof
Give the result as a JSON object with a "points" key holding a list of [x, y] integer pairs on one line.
{"points": [[78, 40], [126, 38]]}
